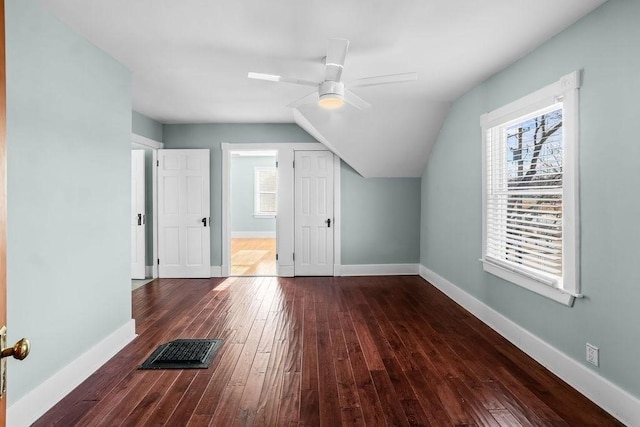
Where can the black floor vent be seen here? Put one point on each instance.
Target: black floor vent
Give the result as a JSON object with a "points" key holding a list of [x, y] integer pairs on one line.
{"points": [[183, 354]]}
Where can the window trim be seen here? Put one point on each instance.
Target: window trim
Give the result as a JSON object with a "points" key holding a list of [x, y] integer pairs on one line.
{"points": [[256, 191], [565, 89]]}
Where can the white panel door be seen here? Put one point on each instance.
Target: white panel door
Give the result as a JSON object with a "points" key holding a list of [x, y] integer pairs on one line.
{"points": [[183, 214], [313, 213], [138, 215]]}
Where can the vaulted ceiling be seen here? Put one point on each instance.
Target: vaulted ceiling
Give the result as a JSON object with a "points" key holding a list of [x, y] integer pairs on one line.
{"points": [[190, 60]]}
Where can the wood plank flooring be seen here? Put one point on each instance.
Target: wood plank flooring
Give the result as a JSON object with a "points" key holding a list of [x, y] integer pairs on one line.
{"points": [[253, 256], [321, 351]]}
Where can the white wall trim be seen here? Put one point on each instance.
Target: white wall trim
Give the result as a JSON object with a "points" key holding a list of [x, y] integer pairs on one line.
{"points": [[378, 269], [147, 142], [216, 271], [337, 215], [618, 402], [286, 271], [148, 271], [154, 200], [253, 234], [39, 400]]}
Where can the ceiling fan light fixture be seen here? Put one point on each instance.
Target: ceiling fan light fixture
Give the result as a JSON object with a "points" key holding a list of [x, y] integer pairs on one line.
{"points": [[331, 95], [331, 101]]}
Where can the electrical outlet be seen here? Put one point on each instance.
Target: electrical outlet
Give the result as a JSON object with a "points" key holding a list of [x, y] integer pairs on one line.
{"points": [[592, 354]]}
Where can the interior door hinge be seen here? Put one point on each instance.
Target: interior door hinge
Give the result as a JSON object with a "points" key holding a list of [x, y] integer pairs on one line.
{"points": [[294, 164], [294, 256], [158, 163], [276, 164], [158, 261], [276, 257]]}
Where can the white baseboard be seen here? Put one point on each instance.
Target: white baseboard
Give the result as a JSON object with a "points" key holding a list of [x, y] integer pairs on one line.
{"points": [[618, 402], [38, 401], [337, 270], [377, 269], [253, 234], [216, 271], [286, 271]]}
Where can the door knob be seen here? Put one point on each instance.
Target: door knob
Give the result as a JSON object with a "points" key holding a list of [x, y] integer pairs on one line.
{"points": [[19, 351], [139, 219], [328, 222]]}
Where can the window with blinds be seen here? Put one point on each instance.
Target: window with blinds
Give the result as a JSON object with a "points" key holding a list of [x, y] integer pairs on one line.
{"points": [[265, 188], [524, 194], [530, 191]]}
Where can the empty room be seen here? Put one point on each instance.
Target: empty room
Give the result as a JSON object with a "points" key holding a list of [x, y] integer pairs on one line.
{"points": [[319, 213]]}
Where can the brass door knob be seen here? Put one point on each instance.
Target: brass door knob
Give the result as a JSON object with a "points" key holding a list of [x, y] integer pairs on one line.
{"points": [[19, 351]]}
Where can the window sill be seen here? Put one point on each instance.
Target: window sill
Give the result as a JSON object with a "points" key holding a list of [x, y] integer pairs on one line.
{"points": [[530, 284]]}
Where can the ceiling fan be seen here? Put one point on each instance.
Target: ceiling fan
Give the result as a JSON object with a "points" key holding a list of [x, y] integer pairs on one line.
{"points": [[331, 93]]}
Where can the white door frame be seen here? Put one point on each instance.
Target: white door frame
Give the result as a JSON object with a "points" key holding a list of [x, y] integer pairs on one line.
{"points": [[285, 217], [138, 209], [155, 146]]}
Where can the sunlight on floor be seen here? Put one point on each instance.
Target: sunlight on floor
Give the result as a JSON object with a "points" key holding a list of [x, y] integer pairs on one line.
{"points": [[253, 257]]}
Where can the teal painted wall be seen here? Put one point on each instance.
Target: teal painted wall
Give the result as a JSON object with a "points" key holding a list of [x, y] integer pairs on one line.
{"points": [[391, 232], [380, 219], [606, 46], [242, 194], [68, 132], [211, 136], [145, 126]]}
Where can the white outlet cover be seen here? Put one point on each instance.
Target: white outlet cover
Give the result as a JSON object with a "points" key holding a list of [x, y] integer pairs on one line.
{"points": [[592, 354]]}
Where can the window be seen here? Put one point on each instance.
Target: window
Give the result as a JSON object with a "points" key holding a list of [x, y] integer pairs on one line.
{"points": [[265, 187], [530, 191]]}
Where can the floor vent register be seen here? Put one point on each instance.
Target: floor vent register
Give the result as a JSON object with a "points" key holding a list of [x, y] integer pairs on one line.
{"points": [[183, 354]]}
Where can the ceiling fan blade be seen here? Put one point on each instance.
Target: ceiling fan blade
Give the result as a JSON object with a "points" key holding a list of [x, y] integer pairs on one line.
{"points": [[384, 80], [336, 55], [355, 100], [311, 98], [275, 78]]}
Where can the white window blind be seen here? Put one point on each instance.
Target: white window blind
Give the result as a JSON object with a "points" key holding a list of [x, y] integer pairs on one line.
{"points": [[265, 188], [524, 198], [530, 191]]}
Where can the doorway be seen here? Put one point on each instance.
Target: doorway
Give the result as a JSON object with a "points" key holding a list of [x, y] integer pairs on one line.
{"points": [[285, 218], [138, 215], [254, 189], [150, 191]]}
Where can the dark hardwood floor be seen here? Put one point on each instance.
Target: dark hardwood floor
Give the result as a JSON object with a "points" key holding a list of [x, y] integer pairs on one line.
{"points": [[321, 351]]}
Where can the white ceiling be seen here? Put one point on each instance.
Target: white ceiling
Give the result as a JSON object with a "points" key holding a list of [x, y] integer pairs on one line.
{"points": [[190, 60]]}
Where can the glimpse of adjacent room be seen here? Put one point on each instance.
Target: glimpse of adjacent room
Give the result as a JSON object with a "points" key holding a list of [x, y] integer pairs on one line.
{"points": [[253, 213]]}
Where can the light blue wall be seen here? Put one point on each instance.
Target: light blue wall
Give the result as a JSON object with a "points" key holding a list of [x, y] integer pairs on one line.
{"points": [[68, 131], [386, 235], [380, 219], [242, 195], [606, 46], [145, 126], [211, 136]]}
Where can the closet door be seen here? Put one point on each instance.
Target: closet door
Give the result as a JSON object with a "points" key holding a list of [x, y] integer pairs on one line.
{"points": [[314, 220], [184, 214]]}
